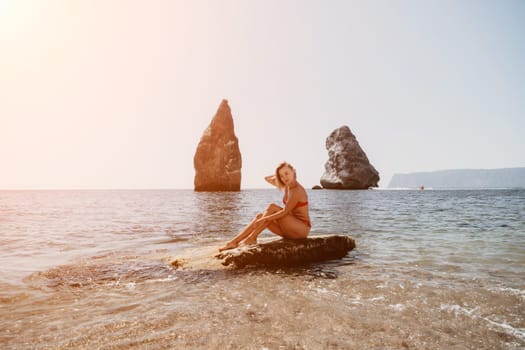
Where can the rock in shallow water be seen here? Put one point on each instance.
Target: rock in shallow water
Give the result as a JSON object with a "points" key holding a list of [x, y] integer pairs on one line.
{"points": [[287, 252], [217, 159], [347, 166]]}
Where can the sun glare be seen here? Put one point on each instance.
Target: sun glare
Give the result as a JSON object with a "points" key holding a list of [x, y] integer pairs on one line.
{"points": [[17, 17], [6, 6]]}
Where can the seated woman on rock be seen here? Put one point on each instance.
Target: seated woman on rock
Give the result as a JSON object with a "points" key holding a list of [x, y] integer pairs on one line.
{"points": [[292, 221]]}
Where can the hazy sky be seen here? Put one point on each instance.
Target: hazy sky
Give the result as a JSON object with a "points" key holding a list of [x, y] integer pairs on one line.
{"points": [[116, 94]]}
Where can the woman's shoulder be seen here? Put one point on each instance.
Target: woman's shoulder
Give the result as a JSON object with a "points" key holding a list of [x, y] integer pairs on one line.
{"points": [[298, 189]]}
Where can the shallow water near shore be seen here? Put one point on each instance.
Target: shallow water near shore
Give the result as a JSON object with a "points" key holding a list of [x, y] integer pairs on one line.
{"points": [[92, 269]]}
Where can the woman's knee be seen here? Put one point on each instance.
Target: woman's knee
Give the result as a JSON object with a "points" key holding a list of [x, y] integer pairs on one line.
{"points": [[272, 208]]}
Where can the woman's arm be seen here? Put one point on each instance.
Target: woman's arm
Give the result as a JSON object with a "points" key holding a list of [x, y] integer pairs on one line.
{"points": [[271, 180], [293, 198]]}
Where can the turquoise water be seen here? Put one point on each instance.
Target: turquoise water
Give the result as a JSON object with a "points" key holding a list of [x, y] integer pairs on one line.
{"points": [[91, 269]]}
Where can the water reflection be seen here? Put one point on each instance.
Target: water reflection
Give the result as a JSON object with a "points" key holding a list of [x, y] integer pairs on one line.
{"points": [[216, 214]]}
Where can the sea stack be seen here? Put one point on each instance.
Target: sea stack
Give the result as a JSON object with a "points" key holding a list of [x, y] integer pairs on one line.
{"points": [[217, 160], [347, 167]]}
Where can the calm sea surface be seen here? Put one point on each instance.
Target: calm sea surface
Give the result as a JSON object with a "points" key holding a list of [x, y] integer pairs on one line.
{"points": [[92, 270]]}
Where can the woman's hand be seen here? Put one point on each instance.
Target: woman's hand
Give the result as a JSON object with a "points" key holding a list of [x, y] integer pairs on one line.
{"points": [[271, 180], [261, 220]]}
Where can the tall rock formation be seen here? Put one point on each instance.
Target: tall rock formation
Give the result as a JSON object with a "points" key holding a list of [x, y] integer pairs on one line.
{"points": [[347, 166], [217, 160]]}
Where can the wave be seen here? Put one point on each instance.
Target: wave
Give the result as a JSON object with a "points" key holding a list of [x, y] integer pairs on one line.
{"points": [[474, 313]]}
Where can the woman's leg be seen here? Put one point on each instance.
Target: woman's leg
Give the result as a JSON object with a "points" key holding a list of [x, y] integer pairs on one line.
{"points": [[272, 226], [293, 228], [242, 235], [286, 227], [252, 238], [246, 232]]}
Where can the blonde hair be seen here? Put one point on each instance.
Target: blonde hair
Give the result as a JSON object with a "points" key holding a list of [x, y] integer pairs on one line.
{"points": [[280, 183]]}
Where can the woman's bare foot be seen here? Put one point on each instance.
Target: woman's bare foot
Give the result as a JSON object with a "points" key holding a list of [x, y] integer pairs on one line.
{"points": [[229, 245]]}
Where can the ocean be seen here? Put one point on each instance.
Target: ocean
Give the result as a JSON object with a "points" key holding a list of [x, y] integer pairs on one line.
{"points": [[433, 269]]}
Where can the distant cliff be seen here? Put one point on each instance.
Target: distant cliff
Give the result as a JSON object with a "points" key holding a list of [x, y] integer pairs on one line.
{"points": [[462, 178]]}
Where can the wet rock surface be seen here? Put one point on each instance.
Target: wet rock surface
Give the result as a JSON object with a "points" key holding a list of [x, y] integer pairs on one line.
{"points": [[287, 252]]}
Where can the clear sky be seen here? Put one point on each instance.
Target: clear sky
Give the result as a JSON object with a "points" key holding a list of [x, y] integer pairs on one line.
{"points": [[116, 94]]}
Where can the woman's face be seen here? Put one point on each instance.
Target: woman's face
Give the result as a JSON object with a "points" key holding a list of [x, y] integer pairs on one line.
{"points": [[287, 176]]}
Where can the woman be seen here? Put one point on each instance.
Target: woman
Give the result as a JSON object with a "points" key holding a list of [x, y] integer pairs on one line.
{"points": [[292, 221]]}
